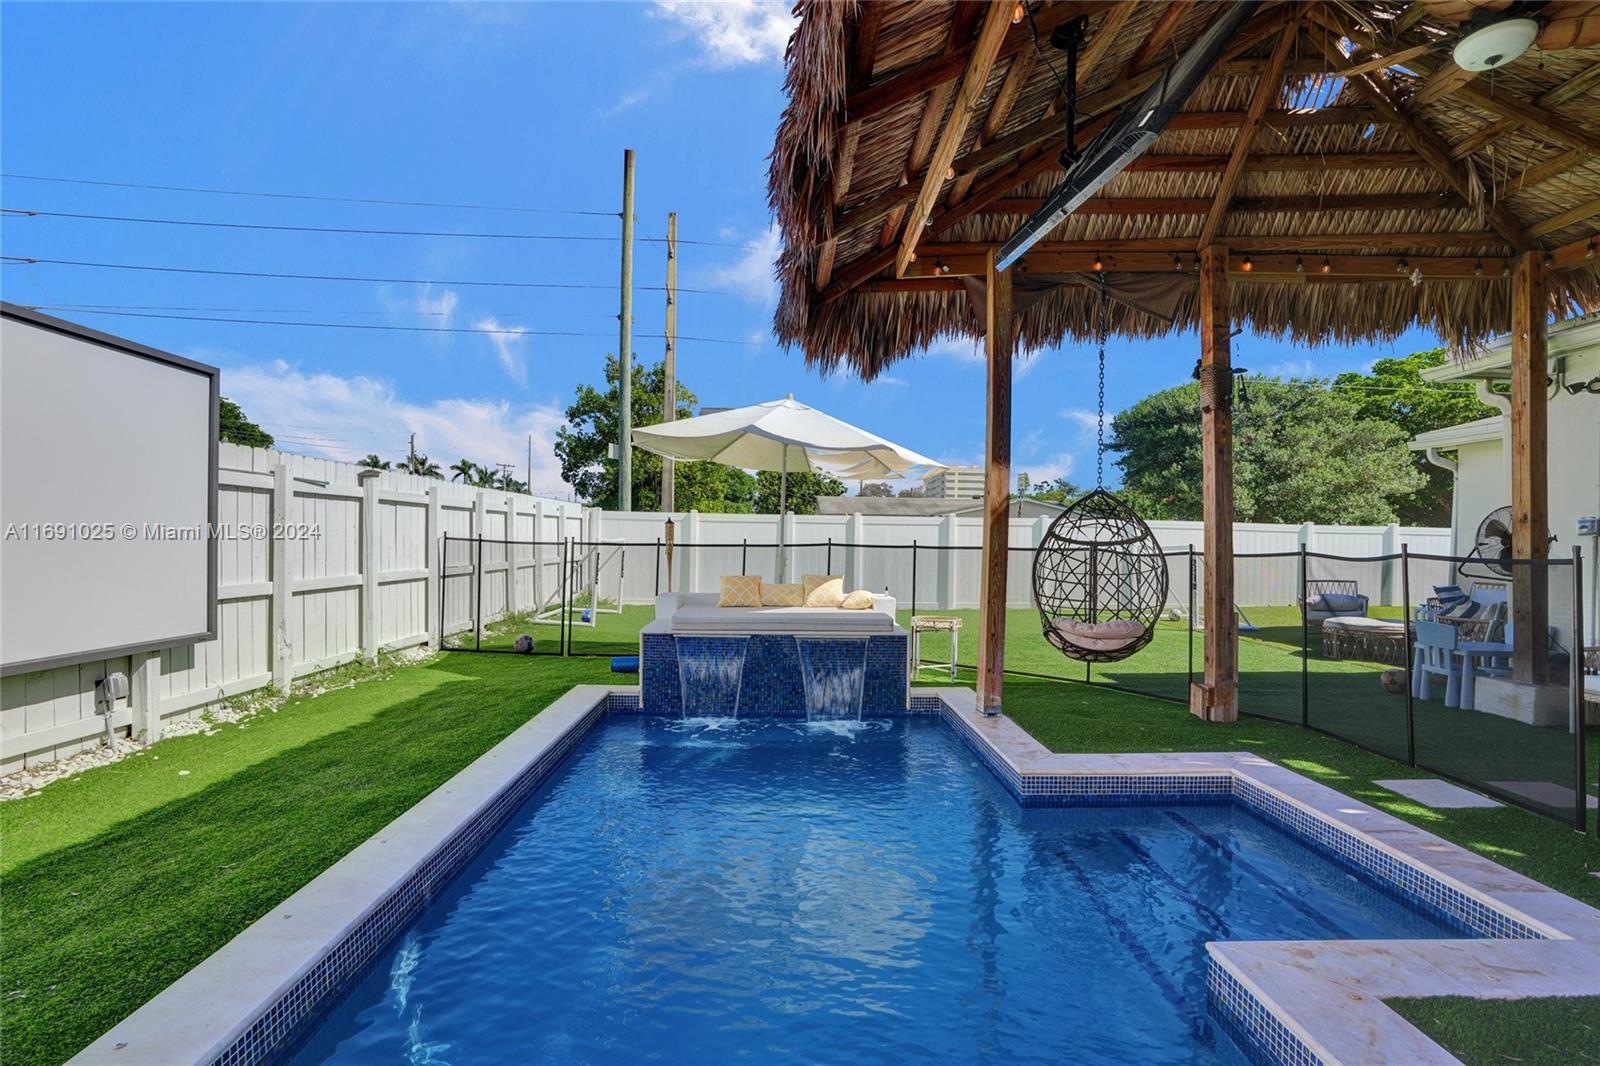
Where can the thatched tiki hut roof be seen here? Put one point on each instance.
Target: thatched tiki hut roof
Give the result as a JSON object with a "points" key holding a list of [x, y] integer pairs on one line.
{"points": [[1372, 148], [1331, 173]]}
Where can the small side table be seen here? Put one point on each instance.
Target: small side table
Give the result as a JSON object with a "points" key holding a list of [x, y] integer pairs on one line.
{"points": [[933, 623]]}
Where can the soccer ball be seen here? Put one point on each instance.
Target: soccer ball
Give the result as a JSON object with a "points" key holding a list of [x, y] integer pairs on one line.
{"points": [[524, 645]]}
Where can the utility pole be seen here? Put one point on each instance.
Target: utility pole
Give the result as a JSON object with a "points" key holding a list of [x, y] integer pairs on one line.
{"points": [[624, 344], [669, 386]]}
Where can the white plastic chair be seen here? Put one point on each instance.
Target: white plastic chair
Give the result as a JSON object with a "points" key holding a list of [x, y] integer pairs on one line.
{"points": [[1435, 655]]}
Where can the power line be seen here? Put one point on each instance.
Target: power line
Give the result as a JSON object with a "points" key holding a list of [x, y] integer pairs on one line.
{"points": [[21, 260], [26, 212], [512, 332], [258, 310], [307, 196]]}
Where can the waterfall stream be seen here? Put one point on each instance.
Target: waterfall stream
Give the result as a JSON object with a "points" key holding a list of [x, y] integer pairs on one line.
{"points": [[709, 677], [834, 671]]}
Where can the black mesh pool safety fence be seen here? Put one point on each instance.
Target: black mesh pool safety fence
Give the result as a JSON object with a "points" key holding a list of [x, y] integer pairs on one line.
{"points": [[1368, 649]]}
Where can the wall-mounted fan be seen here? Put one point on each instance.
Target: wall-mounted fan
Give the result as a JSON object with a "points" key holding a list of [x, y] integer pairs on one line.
{"points": [[1491, 544]]}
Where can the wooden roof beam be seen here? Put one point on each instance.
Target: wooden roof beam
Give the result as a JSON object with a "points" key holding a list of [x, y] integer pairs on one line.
{"points": [[918, 78], [1542, 172], [1432, 148], [1570, 217], [996, 23], [1266, 89], [1265, 267], [1159, 34], [863, 48], [1307, 204], [1005, 98]]}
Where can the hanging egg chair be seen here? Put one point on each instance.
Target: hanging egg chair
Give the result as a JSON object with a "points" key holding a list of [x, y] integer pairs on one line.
{"points": [[1099, 580], [1099, 577]]}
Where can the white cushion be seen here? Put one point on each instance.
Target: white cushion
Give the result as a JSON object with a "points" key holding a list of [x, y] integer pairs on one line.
{"points": [[1100, 636], [733, 620]]}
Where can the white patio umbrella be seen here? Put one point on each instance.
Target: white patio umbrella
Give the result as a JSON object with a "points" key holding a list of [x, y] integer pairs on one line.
{"points": [[781, 435]]}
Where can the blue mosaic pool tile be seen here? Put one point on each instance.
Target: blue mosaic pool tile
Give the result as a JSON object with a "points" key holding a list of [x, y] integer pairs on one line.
{"points": [[771, 678], [658, 674], [884, 690], [1257, 1032], [294, 1013], [771, 686]]}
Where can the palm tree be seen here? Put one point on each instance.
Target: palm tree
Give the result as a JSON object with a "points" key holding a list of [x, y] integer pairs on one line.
{"points": [[483, 477], [420, 465], [465, 471], [372, 462]]}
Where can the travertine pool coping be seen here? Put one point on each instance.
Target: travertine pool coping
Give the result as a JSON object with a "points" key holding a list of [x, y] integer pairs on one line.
{"points": [[1322, 998]]}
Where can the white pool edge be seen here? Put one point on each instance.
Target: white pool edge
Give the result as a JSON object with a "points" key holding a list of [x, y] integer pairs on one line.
{"points": [[1326, 994]]}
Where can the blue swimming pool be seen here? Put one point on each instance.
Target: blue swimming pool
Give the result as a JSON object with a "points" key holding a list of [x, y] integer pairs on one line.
{"points": [[847, 892]]}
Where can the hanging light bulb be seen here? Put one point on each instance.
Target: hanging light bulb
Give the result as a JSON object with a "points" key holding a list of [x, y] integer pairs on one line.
{"points": [[1247, 265], [1505, 268], [1477, 269], [1098, 265], [941, 267], [1017, 14], [911, 258], [1326, 265], [1299, 265], [1177, 262], [1401, 266], [1549, 261], [949, 173], [1588, 250]]}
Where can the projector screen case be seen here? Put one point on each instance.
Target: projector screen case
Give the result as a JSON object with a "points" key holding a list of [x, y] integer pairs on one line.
{"points": [[106, 436]]}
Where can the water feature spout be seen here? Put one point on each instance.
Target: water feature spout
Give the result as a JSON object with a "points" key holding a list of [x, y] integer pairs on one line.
{"points": [[709, 675], [834, 672]]}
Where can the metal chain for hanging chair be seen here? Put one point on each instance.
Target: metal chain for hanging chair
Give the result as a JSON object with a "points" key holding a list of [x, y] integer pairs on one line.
{"points": [[1099, 576]]}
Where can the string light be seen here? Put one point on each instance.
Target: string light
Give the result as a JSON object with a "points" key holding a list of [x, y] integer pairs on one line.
{"points": [[949, 173], [1326, 265], [1247, 265], [1097, 264], [1477, 269], [1017, 14], [1401, 266], [1177, 262], [1299, 265], [1505, 268], [1588, 250]]}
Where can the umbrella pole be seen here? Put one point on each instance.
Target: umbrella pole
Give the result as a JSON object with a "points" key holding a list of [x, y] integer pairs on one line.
{"points": [[783, 504]]}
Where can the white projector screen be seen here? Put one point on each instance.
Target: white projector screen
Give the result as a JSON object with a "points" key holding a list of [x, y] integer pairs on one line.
{"points": [[108, 495]]}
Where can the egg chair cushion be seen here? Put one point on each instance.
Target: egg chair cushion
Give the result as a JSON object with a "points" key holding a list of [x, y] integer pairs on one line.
{"points": [[1100, 636]]}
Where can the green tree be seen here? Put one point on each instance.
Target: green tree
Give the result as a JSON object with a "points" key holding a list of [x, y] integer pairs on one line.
{"points": [[372, 462], [583, 446], [233, 427], [419, 464], [464, 470], [804, 488], [1395, 392], [1057, 490], [1302, 453], [875, 488]]}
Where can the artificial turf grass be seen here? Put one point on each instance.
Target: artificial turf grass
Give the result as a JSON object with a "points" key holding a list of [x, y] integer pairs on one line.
{"points": [[111, 914], [1547, 1031], [125, 879]]}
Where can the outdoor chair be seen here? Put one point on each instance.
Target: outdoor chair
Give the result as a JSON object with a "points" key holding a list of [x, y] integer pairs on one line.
{"points": [[1333, 599], [1435, 655]]}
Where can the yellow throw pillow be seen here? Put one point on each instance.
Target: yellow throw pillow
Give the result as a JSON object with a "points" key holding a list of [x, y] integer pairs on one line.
{"points": [[859, 600], [775, 595], [740, 591], [824, 590]]}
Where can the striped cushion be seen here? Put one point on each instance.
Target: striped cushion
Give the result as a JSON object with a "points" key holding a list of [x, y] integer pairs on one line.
{"points": [[1460, 612], [1448, 594], [740, 591]]}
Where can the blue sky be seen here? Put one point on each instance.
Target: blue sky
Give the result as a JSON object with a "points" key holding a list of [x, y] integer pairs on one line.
{"points": [[526, 106]]}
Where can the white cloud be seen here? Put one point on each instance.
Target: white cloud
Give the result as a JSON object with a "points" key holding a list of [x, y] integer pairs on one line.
{"points": [[732, 33], [1086, 421], [441, 306], [1032, 443], [624, 102], [1301, 368], [347, 417], [752, 274], [1027, 362], [1048, 470], [508, 341], [961, 349]]}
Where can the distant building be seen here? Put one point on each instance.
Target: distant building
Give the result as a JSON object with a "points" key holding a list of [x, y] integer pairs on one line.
{"points": [[955, 483], [914, 506]]}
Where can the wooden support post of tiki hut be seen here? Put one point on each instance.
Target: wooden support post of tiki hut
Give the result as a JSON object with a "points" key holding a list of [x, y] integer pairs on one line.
{"points": [[1000, 343], [1530, 504], [1216, 699]]}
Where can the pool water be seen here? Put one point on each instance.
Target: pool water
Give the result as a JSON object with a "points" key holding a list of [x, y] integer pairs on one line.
{"points": [[769, 891]]}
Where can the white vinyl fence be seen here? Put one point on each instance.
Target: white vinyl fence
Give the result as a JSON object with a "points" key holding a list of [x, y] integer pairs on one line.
{"points": [[292, 605], [359, 572], [875, 552]]}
